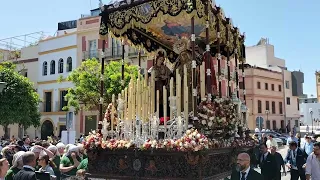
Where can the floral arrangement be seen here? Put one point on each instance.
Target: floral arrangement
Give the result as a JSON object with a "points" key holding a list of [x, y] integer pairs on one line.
{"points": [[93, 140], [113, 144], [218, 118], [191, 141]]}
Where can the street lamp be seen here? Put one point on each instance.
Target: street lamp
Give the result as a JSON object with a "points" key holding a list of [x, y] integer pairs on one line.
{"points": [[2, 86], [267, 112], [311, 112]]}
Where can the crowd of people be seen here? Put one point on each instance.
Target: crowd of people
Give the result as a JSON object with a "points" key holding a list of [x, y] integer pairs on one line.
{"points": [[26, 160], [302, 160]]}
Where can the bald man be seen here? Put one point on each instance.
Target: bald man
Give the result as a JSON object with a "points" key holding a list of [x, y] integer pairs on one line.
{"points": [[243, 170]]}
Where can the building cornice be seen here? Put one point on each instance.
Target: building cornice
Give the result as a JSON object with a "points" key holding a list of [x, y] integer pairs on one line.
{"points": [[58, 50]]}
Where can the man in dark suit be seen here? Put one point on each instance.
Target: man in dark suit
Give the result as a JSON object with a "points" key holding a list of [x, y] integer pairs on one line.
{"points": [[296, 160], [268, 163], [243, 170], [28, 171]]}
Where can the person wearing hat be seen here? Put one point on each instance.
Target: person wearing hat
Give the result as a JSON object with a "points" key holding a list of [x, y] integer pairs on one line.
{"points": [[296, 160], [70, 162]]}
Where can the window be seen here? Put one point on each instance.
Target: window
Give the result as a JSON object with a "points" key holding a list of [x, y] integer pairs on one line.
{"points": [[273, 106], [60, 70], [288, 100], [69, 64], [268, 124], [282, 124], [318, 79], [93, 49], [259, 85], [274, 125], [280, 108], [272, 87], [45, 68], [48, 101], [52, 67], [296, 122], [241, 85], [24, 72], [298, 104], [259, 107], [267, 105], [280, 89], [287, 85], [63, 101], [266, 86]]}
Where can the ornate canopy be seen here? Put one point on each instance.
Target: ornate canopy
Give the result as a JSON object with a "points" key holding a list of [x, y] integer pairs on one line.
{"points": [[154, 24]]}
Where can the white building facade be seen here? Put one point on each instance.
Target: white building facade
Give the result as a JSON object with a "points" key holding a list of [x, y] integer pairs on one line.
{"points": [[57, 58], [263, 55], [306, 117]]}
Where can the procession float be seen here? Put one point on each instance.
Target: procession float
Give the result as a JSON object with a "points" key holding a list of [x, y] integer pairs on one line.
{"points": [[185, 117]]}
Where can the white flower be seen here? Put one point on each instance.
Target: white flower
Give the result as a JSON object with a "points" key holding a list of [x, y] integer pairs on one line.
{"points": [[193, 143], [210, 124], [194, 133], [198, 136], [188, 132], [203, 122]]}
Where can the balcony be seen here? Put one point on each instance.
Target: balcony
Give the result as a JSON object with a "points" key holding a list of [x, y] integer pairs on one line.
{"points": [[90, 54], [46, 106], [59, 105], [52, 108]]}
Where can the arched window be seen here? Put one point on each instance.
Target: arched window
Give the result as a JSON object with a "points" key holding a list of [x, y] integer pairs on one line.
{"points": [[45, 68], [69, 64], [60, 65], [52, 67]]}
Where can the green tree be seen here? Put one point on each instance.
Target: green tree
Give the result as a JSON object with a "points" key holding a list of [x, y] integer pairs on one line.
{"points": [[19, 101], [86, 80]]}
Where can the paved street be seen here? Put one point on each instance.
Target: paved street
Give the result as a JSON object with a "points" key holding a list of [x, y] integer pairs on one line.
{"points": [[283, 151]]}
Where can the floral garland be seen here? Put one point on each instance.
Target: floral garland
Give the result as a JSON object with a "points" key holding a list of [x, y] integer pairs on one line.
{"points": [[192, 141], [218, 118]]}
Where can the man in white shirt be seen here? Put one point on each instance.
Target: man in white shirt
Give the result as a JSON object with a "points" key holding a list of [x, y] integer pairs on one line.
{"points": [[313, 163], [271, 142]]}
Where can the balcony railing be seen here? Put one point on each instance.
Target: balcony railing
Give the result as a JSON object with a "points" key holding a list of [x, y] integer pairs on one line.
{"points": [[50, 106], [59, 105], [46, 106], [90, 54], [111, 54]]}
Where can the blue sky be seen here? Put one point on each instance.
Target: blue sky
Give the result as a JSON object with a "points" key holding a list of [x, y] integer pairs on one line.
{"points": [[291, 26]]}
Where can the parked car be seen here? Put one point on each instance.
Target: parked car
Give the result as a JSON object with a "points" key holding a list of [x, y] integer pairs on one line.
{"points": [[281, 140]]}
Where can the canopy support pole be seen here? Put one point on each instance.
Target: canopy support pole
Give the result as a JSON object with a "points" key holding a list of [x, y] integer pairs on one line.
{"points": [[101, 88]]}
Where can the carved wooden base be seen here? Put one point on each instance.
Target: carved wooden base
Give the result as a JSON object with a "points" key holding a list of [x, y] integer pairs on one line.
{"points": [[159, 164]]}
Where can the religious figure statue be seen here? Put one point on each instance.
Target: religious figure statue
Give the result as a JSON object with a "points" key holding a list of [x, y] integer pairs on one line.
{"points": [[182, 47], [161, 74]]}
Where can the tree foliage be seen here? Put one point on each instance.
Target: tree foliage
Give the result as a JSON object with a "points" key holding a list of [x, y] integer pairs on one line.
{"points": [[19, 101], [86, 80]]}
